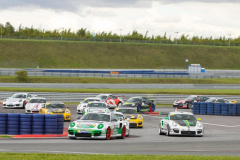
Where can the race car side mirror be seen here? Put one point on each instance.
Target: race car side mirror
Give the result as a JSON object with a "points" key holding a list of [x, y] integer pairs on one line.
{"points": [[78, 117], [165, 118], [199, 119]]}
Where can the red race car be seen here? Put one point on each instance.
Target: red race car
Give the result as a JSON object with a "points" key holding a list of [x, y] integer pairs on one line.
{"points": [[111, 100], [187, 103]]}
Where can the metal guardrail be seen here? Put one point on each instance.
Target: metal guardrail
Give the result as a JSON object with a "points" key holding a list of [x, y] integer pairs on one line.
{"points": [[119, 86], [209, 74], [77, 97]]}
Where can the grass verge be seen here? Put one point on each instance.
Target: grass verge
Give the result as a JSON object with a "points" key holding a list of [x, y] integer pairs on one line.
{"points": [[10, 79], [129, 91], [40, 156], [6, 136]]}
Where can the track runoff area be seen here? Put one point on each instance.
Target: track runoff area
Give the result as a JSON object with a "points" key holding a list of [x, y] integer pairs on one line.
{"points": [[221, 137]]}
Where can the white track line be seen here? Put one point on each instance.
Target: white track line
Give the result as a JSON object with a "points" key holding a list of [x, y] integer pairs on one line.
{"points": [[220, 125]]}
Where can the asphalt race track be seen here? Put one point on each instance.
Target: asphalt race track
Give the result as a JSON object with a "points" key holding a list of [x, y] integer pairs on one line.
{"points": [[221, 138]]}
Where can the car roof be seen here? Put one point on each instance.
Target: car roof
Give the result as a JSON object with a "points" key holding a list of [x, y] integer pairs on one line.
{"points": [[38, 98], [21, 93], [176, 112], [96, 102], [93, 98], [55, 102], [108, 113], [118, 113]]}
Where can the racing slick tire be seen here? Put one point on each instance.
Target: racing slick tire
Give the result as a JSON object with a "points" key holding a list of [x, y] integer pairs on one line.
{"points": [[108, 133], [123, 135], [119, 104], [160, 131], [189, 106], [24, 104], [139, 108], [128, 133], [168, 131]]}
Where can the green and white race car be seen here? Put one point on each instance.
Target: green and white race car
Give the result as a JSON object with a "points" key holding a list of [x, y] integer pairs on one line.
{"points": [[181, 123], [97, 125]]}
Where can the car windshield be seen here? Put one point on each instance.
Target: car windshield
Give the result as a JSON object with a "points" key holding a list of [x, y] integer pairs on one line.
{"points": [[19, 96], [211, 100], [90, 100], [127, 111], [37, 101], [100, 105], [182, 117], [119, 116], [55, 105], [191, 98], [101, 96], [133, 100], [96, 117]]}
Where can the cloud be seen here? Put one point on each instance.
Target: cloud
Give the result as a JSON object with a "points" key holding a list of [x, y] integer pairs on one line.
{"points": [[167, 19], [200, 1], [73, 5]]}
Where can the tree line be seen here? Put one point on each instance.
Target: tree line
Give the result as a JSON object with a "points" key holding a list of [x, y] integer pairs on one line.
{"points": [[8, 30]]}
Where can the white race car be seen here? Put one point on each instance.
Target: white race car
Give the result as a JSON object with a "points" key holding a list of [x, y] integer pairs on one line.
{"points": [[96, 107], [181, 123], [83, 104], [124, 121], [35, 104], [97, 125], [17, 100]]}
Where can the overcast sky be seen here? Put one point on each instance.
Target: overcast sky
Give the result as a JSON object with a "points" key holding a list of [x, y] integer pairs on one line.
{"points": [[190, 17]]}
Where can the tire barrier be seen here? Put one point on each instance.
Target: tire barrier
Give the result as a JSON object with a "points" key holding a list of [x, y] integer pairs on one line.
{"points": [[223, 109], [13, 123], [196, 109], [238, 109], [60, 124], [23, 124], [210, 108], [50, 124], [38, 123], [3, 123], [232, 109], [203, 108]]}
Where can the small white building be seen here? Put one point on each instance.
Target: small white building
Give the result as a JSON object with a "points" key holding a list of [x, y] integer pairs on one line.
{"points": [[195, 68]]}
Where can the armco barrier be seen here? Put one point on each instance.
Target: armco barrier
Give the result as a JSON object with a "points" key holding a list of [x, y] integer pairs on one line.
{"points": [[224, 109], [25, 124]]}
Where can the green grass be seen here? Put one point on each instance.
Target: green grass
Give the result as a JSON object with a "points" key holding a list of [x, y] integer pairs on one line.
{"points": [[9, 79], [128, 91], [81, 55], [41, 156], [6, 136]]}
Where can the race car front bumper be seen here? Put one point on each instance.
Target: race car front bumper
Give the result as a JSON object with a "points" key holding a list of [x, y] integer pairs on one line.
{"points": [[195, 131], [133, 123], [12, 105], [86, 133]]}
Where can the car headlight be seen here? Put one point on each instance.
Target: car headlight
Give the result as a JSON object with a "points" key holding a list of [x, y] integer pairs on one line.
{"points": [[199, 124], [67, 111], [48, 112], [100, 126], [4, 100], [20, 100], [72, 124], [174, 124], [140, 117], [133, 104]]}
